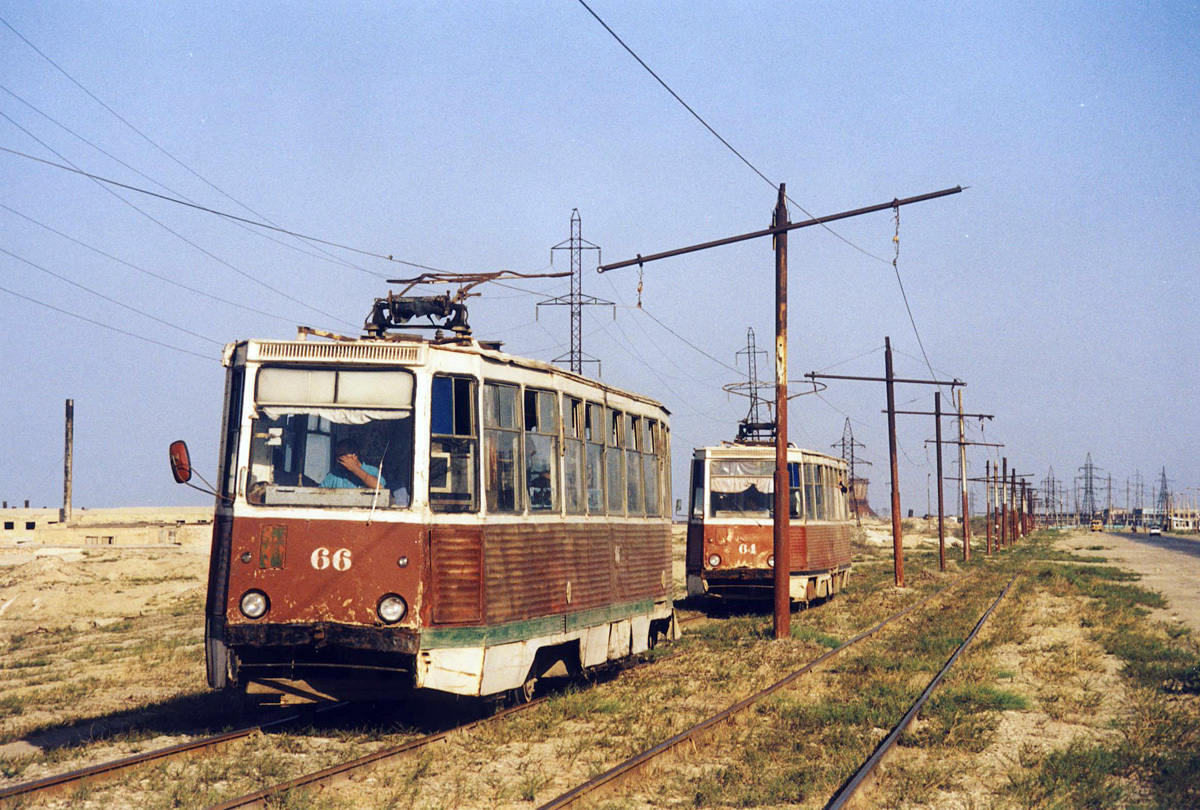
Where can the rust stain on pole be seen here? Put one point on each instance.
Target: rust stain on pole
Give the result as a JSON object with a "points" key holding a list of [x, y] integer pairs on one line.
{"points": [[897, 541], [987, 502], [68, 461], [781, 523], [962, 475], [1003, 493], [937, 432]]}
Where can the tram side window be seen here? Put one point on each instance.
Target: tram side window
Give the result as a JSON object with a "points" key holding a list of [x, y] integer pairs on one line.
{"points": [[573, 488], [811, 485], [696, 508], [650, 467], [795, 490], [453, 437], [615, 459], [233, 430], [633, 464], [541, 450], [503, 450], [593, 434]]}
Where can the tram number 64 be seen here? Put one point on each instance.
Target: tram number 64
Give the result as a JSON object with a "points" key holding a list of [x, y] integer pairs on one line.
{"points": [[747, 548], [339, 559]]}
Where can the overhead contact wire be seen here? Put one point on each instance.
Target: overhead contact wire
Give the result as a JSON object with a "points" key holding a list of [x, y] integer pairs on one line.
{"points": [[158, 222], [105, 326], [187, 168]]}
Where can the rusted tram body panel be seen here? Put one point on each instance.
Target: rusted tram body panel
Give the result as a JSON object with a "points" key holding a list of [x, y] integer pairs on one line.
{"points": [[534, 571], [303, 566]]}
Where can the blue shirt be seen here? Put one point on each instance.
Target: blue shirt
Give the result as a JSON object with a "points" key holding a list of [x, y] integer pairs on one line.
{"points": [[339, 478]]}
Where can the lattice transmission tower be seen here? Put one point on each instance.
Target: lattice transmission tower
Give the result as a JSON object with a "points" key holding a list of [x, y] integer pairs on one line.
{"points": [[758, 426], [1087, 502], [576, 300]]}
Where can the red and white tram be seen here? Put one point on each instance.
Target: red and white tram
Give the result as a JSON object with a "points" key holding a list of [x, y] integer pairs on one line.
{"points": [[397, 513], [730, 535]]}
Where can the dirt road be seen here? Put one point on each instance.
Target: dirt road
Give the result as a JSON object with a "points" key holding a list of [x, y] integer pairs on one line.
{"points": [[1168, 564]]}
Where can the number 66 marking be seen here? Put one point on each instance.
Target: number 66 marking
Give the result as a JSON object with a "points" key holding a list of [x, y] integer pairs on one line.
{"points": [[322, 559]]}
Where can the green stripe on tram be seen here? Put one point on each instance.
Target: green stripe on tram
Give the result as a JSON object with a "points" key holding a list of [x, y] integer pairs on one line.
{"points": [[442, 637]]}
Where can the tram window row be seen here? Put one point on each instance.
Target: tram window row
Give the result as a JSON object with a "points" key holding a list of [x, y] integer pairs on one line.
{"points": [[543, 453]]}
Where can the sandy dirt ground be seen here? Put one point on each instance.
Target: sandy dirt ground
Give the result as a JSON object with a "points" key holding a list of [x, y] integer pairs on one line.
{"points": [[1169, 565]]}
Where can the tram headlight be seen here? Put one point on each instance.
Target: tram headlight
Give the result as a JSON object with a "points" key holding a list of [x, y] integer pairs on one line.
{"points": [[391, 608], [714, 560], [254, 604], [771, 561]]}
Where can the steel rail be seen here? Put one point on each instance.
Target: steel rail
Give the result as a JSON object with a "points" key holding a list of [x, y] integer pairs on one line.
{"points": [[344, 771], [849, 789], [108, 770], [638, 761]]}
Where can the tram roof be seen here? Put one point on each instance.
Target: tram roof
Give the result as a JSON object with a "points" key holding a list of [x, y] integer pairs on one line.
{"points": [[410, 350], [742, 450]]}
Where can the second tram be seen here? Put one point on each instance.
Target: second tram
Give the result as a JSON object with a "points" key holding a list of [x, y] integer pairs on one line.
{"points": [[730, 550]]}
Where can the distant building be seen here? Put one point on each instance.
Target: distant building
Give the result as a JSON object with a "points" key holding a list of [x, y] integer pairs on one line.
{"points": [[859, 505]]}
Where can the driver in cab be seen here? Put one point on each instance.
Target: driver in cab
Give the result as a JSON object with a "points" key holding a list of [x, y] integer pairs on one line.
{"points": [[348, 472]]}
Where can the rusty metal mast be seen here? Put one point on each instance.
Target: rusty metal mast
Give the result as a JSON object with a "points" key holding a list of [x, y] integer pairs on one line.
{"points": [[779, 230], [576, 300]]}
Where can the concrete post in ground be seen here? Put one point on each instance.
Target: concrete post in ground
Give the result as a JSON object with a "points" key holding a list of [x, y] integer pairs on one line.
{"points": [[64, 516]]}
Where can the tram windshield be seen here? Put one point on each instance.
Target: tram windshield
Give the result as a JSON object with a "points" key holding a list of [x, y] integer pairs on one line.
{"points": [[746, 488], [332, 438]]}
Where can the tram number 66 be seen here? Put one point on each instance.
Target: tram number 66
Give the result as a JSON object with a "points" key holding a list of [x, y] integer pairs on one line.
{"points": [[322, 559]]}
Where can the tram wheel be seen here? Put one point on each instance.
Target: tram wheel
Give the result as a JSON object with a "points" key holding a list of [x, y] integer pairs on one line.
{"points": [[524, 693]]}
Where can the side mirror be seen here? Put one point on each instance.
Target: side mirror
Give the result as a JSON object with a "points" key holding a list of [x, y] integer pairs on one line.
{"points": [[679, 506], [181, 463]]}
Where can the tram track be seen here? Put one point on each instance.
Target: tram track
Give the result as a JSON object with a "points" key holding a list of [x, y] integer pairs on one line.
{"points": [[850, 789], [105, 771], [347, 771], [94, 775], [591, 789]]}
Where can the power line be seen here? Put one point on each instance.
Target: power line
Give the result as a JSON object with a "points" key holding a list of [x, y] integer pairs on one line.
{"points": [[164, 226], [61, 277], [771, 183], [323, 255], [104, 325], [234, 217], [150, 273], [160, 148], [717, 135], [686, 341]]}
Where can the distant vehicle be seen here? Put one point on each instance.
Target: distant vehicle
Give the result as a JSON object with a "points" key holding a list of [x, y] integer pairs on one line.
{"points": [[1097, 526], [1156, 530], [730, 550]]}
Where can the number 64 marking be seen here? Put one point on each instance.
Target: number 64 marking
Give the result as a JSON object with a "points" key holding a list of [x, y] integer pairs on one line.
{"points": [[322, 559]]}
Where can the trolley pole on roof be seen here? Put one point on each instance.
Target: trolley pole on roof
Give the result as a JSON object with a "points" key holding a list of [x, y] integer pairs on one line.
{"points": [[779, 229]]}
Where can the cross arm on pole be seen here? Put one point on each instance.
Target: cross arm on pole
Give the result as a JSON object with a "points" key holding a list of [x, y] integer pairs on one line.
{"points": [[812, 375], [955, 414], [778, 229], [963, 443]]}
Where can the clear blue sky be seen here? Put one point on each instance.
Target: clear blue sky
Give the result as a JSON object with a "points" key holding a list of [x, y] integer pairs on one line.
{"points": [[1060, 286]]}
